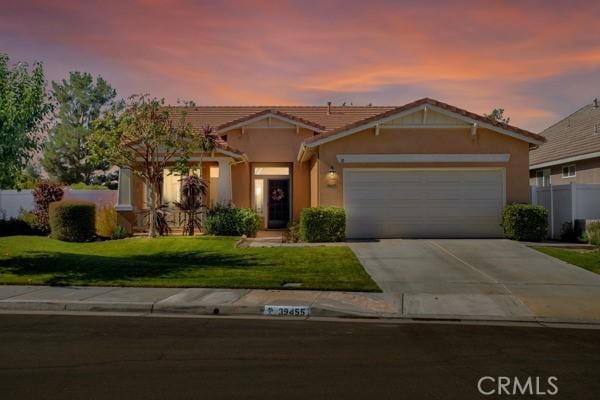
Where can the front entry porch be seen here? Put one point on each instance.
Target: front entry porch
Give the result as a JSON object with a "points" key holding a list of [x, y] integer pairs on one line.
{"points": [[133, 194]]}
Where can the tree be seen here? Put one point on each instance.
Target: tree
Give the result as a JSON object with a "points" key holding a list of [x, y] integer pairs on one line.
{"points": [[80, 101], [193, 189], [29, 177], [498, 115], [45, 193], [24, 108], [147, 137]]}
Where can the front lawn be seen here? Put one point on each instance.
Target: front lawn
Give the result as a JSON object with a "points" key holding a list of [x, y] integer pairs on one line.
{"points": [[178, 262], [587, 259]]}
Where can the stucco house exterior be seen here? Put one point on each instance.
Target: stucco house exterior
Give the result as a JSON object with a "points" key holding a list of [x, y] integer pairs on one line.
{"points": [[424, 169], [572, 151]]}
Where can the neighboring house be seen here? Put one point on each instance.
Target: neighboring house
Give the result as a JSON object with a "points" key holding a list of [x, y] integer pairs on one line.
{"points": [[572, 150], [424, 169]]}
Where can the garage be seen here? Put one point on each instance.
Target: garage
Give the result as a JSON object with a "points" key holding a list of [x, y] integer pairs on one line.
{"points": [[403, 202]]}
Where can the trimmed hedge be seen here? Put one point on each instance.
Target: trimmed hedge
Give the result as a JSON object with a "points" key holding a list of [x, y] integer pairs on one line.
{"points": [[592, 233], [225, 220], [73, 220], [106, 222], [323, 224], [525, 222], [15, 226]]}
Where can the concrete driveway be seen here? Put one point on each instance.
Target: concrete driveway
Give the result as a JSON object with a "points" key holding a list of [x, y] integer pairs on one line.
{"points": [[479, 277]]}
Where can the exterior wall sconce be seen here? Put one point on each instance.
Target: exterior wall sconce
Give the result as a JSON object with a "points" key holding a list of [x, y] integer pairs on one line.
{"points": [[331, 176]]}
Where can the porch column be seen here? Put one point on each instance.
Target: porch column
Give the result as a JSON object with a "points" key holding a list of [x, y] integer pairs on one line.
{"points": [[224, 193], [124, 193]]}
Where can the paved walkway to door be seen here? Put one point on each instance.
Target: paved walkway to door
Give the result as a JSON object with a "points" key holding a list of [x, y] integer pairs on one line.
{"points": [[479, 277]]}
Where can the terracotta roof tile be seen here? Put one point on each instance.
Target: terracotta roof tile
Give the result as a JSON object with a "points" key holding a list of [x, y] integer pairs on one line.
{"points": [[317, 116], [339, 119], [432, 102], [274, 112]]}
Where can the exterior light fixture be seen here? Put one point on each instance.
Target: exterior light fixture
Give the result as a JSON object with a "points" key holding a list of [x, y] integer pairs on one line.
{"points": [[331, 176]]}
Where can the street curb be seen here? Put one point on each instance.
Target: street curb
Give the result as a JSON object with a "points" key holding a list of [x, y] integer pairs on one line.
{"points": [[158, 308], [258, 310]]}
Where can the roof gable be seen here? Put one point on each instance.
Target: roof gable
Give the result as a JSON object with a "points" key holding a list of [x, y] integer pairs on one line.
{"points": [[425, 113], [267, 116]]}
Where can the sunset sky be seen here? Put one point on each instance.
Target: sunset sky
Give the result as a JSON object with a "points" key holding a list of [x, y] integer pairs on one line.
{"points": [[540, 60]]}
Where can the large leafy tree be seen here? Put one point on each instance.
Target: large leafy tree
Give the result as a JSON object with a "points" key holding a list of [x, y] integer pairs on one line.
{"points": [[147, 137], [80, 101], [24, 108]]}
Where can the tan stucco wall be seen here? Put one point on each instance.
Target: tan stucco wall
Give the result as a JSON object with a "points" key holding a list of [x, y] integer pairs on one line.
{"points": [[413, 141], [275, 145], [586, 171]]}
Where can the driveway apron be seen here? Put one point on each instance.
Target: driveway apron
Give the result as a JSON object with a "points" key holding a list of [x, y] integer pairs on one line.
{"points": [[479, 277]]}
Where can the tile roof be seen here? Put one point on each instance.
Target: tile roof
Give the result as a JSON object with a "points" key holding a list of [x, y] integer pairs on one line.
{"points": [[432, 102], [340, 116], [274, 112], [575, 135]]}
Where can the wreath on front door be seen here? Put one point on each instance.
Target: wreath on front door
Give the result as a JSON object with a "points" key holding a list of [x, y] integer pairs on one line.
{"points": [[277, 194]]}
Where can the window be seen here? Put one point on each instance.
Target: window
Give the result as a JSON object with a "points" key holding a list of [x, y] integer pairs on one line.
{"points": [[171, 187], [259, 185], [214, 172], [272, 171], [568, 171], [543, 177]]}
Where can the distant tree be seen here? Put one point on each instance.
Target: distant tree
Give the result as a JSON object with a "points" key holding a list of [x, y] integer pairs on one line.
{"points": [[147, 137], [24, 109], [29, 177], [79, 102], [498, 115]]}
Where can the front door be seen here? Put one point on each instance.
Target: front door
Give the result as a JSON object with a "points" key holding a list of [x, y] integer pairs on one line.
{"points": [[278, 203]]}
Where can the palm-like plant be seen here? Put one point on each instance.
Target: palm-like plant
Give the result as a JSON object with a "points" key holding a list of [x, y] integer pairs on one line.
{"points": [[193, 190]]}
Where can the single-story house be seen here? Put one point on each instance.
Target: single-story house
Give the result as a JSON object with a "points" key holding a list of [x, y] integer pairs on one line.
{"points": [[424, 169], [572, 150]]}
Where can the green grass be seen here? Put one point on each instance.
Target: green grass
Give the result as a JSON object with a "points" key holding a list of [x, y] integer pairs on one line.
{"points": [[589, 260], [178, 262]]}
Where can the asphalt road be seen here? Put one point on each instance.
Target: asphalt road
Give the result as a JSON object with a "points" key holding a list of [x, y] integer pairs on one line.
{"points": [[81, 357]]}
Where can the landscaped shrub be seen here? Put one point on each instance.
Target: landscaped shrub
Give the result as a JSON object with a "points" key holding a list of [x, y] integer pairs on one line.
{"points": [[45, 193], [292, 234], [226, 220], [525, 222], [25, 224], [73, 220], [119, 233], [15, 226], [106, 222], [323, 224], [592, 233]]}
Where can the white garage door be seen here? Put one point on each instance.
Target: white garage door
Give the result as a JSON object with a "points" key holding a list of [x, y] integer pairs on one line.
{"points": [[386, 203]]}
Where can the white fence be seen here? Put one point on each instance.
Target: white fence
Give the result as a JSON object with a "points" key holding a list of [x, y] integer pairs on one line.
{"points": [[567, 203], [12, 202]]}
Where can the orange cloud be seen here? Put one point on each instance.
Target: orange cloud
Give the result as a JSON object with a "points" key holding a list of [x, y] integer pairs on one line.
{"points": [[538, 59]]}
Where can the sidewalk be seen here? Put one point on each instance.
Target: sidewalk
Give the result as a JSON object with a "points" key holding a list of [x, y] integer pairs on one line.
{"points": [[192, 300], [203, 301]]}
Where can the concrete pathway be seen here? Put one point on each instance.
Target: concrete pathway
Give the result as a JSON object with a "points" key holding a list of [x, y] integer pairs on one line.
{"points": [[191, 300], [485, 278]]}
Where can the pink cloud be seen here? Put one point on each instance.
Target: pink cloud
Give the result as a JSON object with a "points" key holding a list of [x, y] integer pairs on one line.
{"points": [[475, 54]]}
